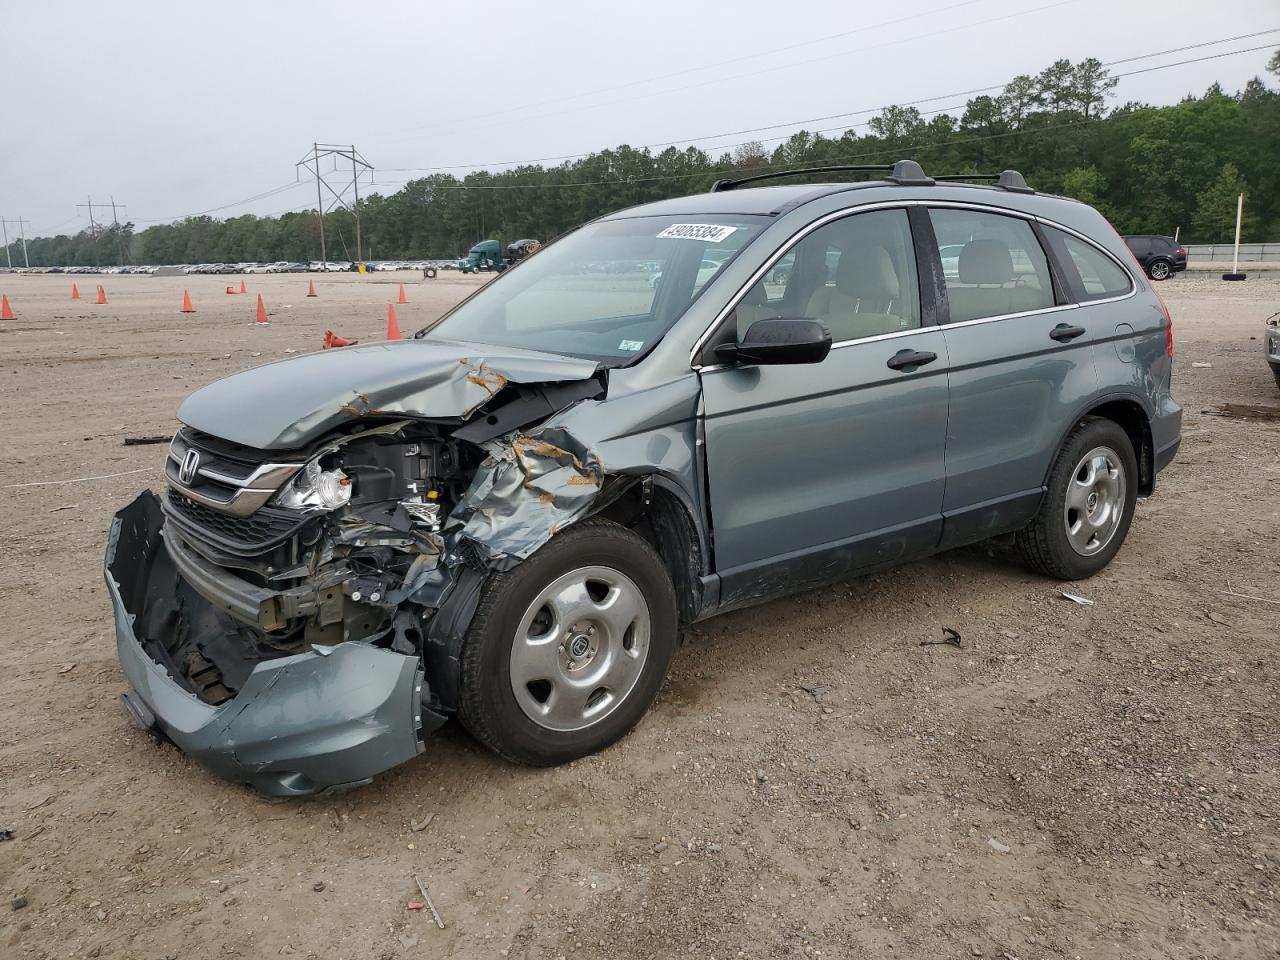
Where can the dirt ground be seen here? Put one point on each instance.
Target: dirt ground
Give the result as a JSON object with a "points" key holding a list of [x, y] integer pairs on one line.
{"points": [[1075, 781]]}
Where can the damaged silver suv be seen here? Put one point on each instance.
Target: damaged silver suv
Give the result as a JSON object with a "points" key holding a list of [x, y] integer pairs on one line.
{"points": [[680, 409]]}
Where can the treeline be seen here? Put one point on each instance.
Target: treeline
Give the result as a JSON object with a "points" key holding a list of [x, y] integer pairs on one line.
{"points": [[1149, 169]]}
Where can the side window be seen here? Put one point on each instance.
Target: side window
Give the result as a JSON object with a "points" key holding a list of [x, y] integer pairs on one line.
{"points": [[992, 264], [1140, 246], [857, 275], [1096, 275]]}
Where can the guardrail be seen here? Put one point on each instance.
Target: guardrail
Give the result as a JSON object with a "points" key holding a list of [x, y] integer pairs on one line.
{"points": [[1223, 252]]}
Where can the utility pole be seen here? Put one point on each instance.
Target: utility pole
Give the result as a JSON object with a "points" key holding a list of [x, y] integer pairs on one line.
{"points": [[22, 232], [93, 224], [115, 223], [355, 182], [311, 163]]}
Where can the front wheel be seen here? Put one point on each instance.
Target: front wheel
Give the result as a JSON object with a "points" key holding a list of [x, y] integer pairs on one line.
{"points": [[567, 651], [1159, 269], [1088, 506]]}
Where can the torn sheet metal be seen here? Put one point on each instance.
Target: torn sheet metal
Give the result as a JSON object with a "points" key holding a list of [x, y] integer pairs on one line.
{"points": [[313, 394], [530, 487]]}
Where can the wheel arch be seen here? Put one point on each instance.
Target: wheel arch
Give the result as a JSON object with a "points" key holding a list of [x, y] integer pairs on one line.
{"points": [[1129, 412], [659, 511]]}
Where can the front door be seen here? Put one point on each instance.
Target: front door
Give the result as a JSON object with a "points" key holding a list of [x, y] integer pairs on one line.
{"points": [[821, 470]]}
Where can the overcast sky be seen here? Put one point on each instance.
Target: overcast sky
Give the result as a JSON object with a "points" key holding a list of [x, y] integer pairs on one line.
{"points": [[177, 108]]}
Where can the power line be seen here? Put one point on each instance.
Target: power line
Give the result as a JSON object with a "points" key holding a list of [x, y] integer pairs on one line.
{"points": [[724, 63], [792, 65], [924, 100], [851, 113]]}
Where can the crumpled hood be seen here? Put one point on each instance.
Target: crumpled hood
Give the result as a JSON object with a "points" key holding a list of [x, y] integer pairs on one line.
{"points": [[289, 403]]}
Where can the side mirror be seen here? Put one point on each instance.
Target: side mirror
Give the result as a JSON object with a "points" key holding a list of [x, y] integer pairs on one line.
{"points": [[779, 340]]}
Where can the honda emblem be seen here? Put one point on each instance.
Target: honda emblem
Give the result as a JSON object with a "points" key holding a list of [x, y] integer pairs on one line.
{"points": [[190, 464]]}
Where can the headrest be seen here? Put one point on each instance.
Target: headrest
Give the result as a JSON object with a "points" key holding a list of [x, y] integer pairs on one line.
{"points": [[867, 273], [985, 261]]}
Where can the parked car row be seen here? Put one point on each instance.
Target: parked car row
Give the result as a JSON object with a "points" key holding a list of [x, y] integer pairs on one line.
{"points": [[279, 266]]}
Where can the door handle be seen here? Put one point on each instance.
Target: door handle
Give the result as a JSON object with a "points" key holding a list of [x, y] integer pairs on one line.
{"points": [[910, 359], [1064, 332]]}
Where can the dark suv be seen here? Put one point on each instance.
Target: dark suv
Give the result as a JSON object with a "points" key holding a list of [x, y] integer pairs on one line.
{"points": [[1160, 257]]}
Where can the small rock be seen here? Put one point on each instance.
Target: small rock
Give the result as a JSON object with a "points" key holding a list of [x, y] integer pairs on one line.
{"points": [[996, 845], [318, 886], [760, 777], [1146, 861], [18, 902], [408, 940], [659, 847]]}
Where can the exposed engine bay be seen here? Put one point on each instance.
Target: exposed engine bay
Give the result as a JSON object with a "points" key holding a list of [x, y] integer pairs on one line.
{"points": [[364, 536], [291, 611]]}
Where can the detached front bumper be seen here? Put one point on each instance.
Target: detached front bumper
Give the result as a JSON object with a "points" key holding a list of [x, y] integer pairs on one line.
{"points": [[298, 725]]}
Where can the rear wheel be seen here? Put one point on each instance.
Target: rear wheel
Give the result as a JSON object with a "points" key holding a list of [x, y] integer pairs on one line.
{"points": [[1159, 269], [567, 651], [1089, 504]]}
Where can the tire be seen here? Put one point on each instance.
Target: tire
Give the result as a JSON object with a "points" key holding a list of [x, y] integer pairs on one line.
{"points": [[1233, 276], [1055, 545], [532, 678], [429, 273], [1275, 372], [1159, 269]]}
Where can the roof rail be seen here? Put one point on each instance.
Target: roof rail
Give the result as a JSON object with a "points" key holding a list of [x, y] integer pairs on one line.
{"points": [[1010, 180], [721, 185], [904, 172]]}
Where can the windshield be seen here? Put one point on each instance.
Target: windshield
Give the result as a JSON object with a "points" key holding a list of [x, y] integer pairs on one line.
{"points": [[607, 292]]}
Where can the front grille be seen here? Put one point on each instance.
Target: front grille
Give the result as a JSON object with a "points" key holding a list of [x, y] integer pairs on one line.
{"points": [[228, 477], [265, 528]]}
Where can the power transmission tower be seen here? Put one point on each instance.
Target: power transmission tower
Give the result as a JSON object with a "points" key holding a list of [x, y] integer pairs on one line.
{"points": [[311, 162], [22, 232], [93, 224]]}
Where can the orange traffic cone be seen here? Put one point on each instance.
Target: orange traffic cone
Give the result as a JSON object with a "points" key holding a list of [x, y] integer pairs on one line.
{"points": [[186, 303], [311, 288], [393, 328], [331, 339], [230, 290], [75, 291], [6, 311], [243, 288], [262, 312], [102, 294], [403, 298]]}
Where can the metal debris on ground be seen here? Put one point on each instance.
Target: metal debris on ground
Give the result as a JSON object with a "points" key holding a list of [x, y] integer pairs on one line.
{"points": [[950, 638], [141, 441], [422, 887], [6, 834], [18, 902], [1076, 598], [417, 826], [1201, 365]]}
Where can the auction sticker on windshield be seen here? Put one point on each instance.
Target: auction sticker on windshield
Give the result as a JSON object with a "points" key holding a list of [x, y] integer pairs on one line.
{"points": [[712, 232]]}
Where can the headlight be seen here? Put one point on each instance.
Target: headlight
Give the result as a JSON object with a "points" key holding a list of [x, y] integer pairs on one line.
{"points": [[314, 488]]}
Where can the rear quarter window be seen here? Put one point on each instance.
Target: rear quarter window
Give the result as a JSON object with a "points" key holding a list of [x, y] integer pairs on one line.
{"points": [[1090, 273]]}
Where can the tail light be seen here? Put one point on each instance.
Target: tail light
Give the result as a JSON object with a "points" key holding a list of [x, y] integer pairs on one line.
{"points": [[1182, 251], [1168, 323]]}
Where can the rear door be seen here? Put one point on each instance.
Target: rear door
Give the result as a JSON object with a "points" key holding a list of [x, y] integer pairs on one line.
{"points": [[1021, 366], [819, 470]]}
